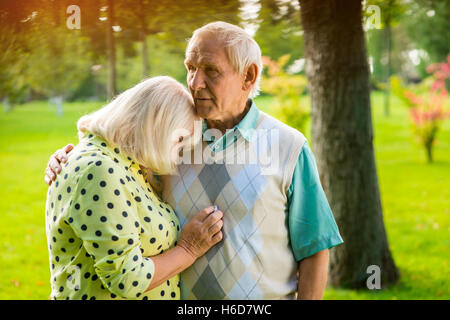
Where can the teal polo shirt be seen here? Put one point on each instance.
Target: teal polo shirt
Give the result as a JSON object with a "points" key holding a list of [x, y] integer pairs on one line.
{"points": [[312, 227]]}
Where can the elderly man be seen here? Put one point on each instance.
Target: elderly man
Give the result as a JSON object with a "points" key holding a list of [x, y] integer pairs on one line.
{"points": [[278, 225]]}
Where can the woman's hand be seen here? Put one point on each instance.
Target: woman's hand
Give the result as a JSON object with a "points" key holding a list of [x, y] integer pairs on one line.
{"points": [[202, 232], [197, 236]]}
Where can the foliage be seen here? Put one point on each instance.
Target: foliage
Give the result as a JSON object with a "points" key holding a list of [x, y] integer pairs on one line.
{"points": [[427, 104], [287, 89]]}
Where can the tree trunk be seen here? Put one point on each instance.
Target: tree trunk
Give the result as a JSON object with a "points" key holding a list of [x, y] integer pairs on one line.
{"points": [[145, 68], [143, 36], [388, 39], [6, 106], [111, 52], [342, 136]]}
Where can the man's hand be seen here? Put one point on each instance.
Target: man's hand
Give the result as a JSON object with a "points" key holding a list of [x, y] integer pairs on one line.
{"points": [[53, 165], [312, 276]]}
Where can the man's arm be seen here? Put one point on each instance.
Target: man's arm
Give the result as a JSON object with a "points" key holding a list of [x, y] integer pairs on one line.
{"points": [[312, 276]]}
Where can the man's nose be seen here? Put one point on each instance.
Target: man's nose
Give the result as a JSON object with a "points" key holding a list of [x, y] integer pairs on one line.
{"points": [[197, 81]]}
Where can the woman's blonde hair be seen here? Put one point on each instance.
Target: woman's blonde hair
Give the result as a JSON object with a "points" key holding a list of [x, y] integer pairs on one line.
{"points": [[143, 121]]}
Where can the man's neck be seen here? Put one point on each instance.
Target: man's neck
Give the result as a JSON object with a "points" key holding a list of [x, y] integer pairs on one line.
{"points": [[224, 125]]}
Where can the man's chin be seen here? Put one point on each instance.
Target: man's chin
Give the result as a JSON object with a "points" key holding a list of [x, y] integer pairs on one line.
{"points": [[203, 111]]}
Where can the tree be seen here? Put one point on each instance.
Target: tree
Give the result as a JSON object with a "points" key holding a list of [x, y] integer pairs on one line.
{"points": [[279, 30], [342, 134]]}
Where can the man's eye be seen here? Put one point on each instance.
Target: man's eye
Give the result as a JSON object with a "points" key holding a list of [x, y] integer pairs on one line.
{"points": [[212, 71], [191, 68]]}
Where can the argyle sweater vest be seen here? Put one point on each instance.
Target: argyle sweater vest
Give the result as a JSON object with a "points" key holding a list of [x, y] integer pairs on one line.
{"points": [[249, 182]]}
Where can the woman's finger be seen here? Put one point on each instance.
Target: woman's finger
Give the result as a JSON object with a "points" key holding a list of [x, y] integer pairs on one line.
{"points": [[203, 214], [216, 227], [217, 237], [213, 218]]}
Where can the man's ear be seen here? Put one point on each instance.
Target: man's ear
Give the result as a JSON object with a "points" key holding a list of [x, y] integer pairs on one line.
{"points": [[251, 74]]}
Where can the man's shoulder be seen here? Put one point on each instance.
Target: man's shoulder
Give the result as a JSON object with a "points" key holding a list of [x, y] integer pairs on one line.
{"points": [[286, 132]]}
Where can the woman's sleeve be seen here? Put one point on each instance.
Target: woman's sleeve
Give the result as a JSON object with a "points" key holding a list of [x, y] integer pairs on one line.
{"points": [[103, 215]]}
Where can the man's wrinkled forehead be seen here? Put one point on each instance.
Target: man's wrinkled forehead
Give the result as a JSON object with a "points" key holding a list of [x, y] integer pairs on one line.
{"points": [[203, 49]]}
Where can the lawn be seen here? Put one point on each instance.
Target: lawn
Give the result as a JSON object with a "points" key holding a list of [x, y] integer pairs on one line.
{"points": [[415, 197]]}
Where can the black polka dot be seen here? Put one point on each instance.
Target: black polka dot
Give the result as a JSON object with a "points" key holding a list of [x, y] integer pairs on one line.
{"points": [[115, 238], [125, 214], [98, 233], [59, 197], [70, 220], [110, 251], [116, 150], [95, 245], [83, 191], [90, 176], [77, 169], [77, 206], [138, 199], [130, 241], [102, 184], [121, 181], [147, 219], [98, 163], [117, 192], [135, 283], [160, 226], [173, 294], [121, 286], [135, 258], [87, 275], [95, 197], [149, 276], [103, 219], [149, 208], [152, 240], [94, 277], [111, 170], [103, 144], [89, 212], [110, 205], [119, 227], [162, 293], [65, 176], [128, 203], [61, 289], [84, 227], [136, 224]]}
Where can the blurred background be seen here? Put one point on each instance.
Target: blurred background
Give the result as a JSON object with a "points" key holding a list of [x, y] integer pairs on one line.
{"points": [[62, 59]]}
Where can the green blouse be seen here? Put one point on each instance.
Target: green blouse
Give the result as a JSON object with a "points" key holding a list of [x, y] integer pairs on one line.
{"points": [[104, 223]]}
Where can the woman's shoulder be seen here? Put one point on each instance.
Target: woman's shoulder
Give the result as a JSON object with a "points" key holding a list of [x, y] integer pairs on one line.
{"points": [[85, 160]]}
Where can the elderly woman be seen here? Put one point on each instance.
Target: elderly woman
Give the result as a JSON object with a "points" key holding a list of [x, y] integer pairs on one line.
{"points": [[110, 236]]}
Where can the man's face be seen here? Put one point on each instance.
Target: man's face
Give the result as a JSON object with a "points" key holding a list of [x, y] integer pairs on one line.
{"points": [[214, 85]]}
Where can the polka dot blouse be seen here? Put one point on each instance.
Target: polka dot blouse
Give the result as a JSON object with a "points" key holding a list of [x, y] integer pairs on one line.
{"points": [[104, 223]]}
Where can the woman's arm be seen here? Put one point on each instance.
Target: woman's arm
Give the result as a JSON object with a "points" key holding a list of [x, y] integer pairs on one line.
{"points": [[197, 237]]}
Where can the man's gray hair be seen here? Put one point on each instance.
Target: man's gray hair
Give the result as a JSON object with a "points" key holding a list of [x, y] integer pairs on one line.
{"points": [[241, 49]]}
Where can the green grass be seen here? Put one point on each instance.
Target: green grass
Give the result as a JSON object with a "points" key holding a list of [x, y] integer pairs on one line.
{"points": [[415, 197]]}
